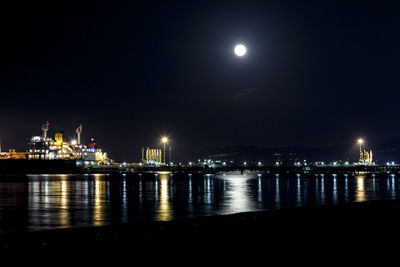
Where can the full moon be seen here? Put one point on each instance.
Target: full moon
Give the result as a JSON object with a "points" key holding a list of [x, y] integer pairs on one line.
{"points": [[240, 50]]}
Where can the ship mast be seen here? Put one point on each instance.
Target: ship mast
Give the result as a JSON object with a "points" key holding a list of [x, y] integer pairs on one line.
{"points": [[78, 132], [45, 129]]}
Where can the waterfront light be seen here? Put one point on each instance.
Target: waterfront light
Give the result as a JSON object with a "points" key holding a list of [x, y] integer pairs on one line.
{"points": [[164, 141], [360, 141]]}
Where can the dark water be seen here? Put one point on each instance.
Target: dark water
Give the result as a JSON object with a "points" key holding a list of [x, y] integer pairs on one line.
{"points": [[36, 202]]}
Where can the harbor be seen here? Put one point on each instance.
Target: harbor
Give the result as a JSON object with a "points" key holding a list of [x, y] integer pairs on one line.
{"points": [[45, 154], [199, 132]]}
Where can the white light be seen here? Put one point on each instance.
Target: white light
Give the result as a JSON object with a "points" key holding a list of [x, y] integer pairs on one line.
{"points": [[36, 138], [240, 50]]}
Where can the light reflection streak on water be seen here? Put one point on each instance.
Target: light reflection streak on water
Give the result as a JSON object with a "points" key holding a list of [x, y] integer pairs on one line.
{"points": [[393, 187], [45, 203], [164, 207], [323, 188], [335, 196], [298, 190], [190, 195], [64, 213], [224, 183], [171, 187], [346, 186], [277, 194], [374, 182], [100, 193], [140, 192], [34, 201], [388, 184], [124, 213], [305, 189], [259, 191], [360, 189], [190, 190], [207, 189], [44, 193], [156, 190]]}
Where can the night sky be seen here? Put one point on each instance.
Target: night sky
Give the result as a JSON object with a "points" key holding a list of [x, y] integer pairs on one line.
{"points": [[317, 72]]}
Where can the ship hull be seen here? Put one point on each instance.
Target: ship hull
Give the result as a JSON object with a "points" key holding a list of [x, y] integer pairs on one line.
{"points": [[39, 167]]}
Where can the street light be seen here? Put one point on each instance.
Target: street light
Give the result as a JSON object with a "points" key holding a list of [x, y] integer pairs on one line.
{"points": [[164, 141], [360, 141]]}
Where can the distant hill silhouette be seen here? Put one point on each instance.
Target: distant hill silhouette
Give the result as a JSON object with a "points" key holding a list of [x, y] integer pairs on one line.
{"points": [[383, 152]]}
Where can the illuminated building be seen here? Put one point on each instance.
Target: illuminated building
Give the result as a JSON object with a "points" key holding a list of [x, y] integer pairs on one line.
{"points": [[365, 156], [157, 156], [151, 156]]}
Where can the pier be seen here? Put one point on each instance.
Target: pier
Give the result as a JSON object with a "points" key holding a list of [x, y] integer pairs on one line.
{"points": [[317, 169]]}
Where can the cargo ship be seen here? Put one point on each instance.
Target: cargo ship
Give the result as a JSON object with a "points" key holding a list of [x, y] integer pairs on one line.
{"points": [[53, 155]]}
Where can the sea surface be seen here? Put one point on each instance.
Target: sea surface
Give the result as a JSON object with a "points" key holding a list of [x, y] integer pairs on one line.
{"points": [[37, 202]]}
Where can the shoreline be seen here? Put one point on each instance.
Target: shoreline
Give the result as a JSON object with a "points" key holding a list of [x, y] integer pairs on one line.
{"points": [[21, 167]]}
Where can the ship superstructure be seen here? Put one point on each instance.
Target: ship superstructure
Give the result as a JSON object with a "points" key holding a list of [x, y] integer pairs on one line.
{"points": [[46, 148]]}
